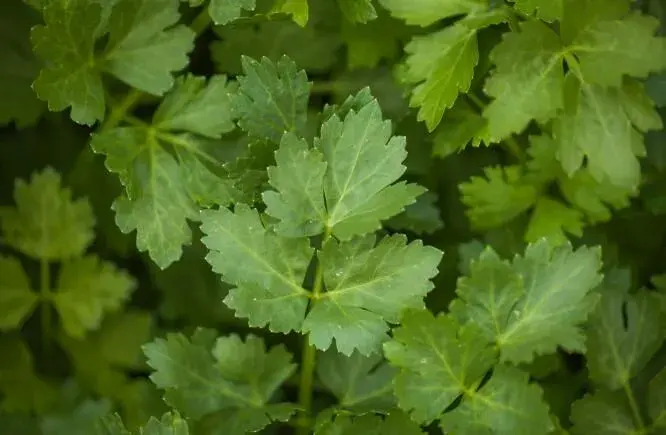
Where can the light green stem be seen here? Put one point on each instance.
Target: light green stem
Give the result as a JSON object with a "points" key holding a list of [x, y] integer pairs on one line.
{"points": [[476, 101], [638, 419], [308, 359], [514, 148], [306, 386], [120, 110], [200, 22], [45, 308]]}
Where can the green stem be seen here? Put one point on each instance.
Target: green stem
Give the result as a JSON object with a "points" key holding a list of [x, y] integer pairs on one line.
{"points": [[476, 101], [308, 359], [306, 386], [634, 406], [120, 110], [45, 294], [200, 22], [512, 145]]}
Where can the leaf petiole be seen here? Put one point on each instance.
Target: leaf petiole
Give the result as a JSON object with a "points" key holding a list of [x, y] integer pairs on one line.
{"points": [[45, 308], [308, 360], [638, 419]]}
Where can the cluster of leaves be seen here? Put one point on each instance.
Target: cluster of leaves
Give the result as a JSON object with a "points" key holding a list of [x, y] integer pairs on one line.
{"points": [[572, 72], [238, 211], [47, 228]]}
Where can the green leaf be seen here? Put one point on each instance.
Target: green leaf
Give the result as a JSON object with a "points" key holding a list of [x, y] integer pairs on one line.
{"points": [[458, 127], [580, 15], [47, 223], [169, 424], [639, 106], [272, 98], [594, 198], [352, 165], [354, 102], [248, 170], [438, 362], [438, 83], [139, 399], [623, 333], [379, 81], [498, 197], [551, 219], [396, 423], [426, 12], [361, 384], [609, 50], [139, 51], [171, 167], [421, 217], [22, 391], [545, 366], [17, 300], [70, 77], [364, 332], [596, 127], [441, 64], [298, 9], [82, 420], [198, 106], [534, 304], [247, 420], [267, 270], [111, 425], [602, 413], [366, 287], [206, 374], [543, 166], [225, 11], [19, 65], [159, 205], [363, 159], [468, 252], [87, 288], [358, 11], [527, 82], [547, 10], [299, 179], [507, 404]]}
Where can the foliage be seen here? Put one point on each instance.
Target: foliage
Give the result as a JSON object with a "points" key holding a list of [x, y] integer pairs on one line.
{"points": [[332, 217]]}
